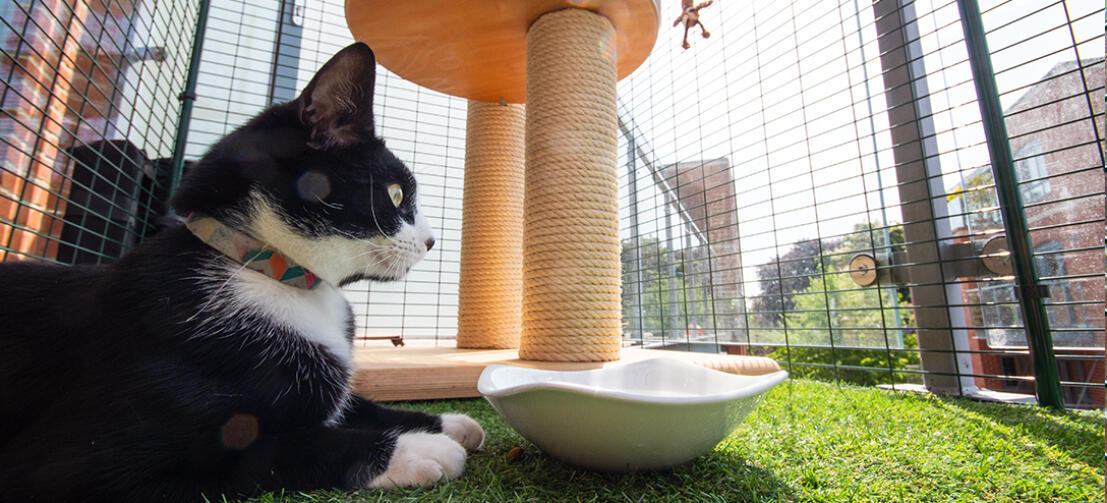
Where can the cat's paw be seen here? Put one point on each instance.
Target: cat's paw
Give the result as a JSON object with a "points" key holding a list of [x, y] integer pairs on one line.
{"points": [[421, 459], [464, 430]]}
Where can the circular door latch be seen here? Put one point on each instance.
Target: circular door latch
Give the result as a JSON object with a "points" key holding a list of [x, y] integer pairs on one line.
{"points": [[996, 256], [862, 269]]}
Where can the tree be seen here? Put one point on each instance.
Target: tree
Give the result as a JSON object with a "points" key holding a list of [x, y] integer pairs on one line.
{"points": [[648, 273], [835, 323], [656, 287], [787, 275], [783, 277], [835, 328]]}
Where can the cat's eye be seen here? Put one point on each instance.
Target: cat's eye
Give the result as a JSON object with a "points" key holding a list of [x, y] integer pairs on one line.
{"points": [[396, 193]]}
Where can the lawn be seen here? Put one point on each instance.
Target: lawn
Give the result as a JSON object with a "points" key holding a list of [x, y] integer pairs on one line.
{"points": [[808, 441]]}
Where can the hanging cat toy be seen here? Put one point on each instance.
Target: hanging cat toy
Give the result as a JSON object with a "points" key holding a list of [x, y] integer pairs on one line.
{"points": [[690, 16]]}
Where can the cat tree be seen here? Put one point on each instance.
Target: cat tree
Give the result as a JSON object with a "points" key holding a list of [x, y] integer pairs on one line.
{"points": [[540, 266]]}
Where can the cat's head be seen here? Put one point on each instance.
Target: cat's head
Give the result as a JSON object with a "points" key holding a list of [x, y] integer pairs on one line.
{"points": [[311, 178]]}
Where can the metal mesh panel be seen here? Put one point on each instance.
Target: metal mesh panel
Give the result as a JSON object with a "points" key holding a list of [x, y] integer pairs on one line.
{"points": [[812, 182], [805, 140], [88, 90], [255, 55]]}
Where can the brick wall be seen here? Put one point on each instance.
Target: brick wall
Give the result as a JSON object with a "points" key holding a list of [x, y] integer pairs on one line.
{"points": [[706, 193], [1064, 209], [62, 62]]}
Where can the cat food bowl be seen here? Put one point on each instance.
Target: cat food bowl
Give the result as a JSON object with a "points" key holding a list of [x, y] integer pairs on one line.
{"points": [[647, 415]]}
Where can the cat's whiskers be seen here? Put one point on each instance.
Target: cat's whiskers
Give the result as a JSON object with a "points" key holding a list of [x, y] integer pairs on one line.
{"points": [[396, 267], [372, 253], [392, 263], [378, 268], [336, 206]]}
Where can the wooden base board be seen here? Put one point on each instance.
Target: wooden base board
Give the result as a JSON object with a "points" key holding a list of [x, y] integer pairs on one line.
{"points": [[425, 373]]}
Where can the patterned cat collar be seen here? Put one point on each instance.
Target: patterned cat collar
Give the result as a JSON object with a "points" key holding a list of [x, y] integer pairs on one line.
{"points": [[250, 252]]}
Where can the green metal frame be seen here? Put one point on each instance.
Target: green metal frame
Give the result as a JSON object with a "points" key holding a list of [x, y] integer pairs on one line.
{"points": [[188, 97], [675, 278], [1031, 293]]}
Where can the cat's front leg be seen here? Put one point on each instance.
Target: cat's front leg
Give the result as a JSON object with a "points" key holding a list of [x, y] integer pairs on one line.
{"points": [[420, 459], [362, 413], [353, 458]]}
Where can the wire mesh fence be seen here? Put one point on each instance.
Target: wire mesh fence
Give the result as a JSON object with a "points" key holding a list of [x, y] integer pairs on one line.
{"points": [[89, 114], [812, 182]]}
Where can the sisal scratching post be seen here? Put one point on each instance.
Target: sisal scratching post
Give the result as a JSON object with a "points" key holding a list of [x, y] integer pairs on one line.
{"points": [[571, 301], [561, 60], [490, 286]]}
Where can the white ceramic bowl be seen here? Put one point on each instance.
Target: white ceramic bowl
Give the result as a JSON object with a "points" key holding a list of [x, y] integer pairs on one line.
{"points": [[641, 416]]}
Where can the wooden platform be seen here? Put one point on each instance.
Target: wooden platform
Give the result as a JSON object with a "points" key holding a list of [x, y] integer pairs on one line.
{"points": [[477, 50], [387, 373]]}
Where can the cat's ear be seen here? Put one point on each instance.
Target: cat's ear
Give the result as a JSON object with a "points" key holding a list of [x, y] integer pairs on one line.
{"points": [[338, 103]]}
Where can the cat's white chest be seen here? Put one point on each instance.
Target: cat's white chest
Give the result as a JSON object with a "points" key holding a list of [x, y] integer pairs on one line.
{"points": [[320, 315]]}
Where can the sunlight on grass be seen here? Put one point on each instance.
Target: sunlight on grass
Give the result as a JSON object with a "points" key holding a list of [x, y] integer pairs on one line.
{"points": [[808, 441]]}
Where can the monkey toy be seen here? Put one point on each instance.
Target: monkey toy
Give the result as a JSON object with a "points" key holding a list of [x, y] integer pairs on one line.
{"points": [[690, 16]]}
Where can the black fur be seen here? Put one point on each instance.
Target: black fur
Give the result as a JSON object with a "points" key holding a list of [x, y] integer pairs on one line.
{"points": [[115, 385]]}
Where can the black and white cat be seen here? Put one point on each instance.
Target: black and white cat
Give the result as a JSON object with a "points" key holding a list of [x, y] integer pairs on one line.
{"points": [[188, 368]]}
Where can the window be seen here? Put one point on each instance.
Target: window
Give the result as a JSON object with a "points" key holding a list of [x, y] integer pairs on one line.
{"points": [[1030, 167], [1001, 316]]}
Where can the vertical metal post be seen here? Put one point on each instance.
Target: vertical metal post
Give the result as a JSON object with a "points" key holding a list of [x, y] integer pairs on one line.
{"points": [[879, 178], [670, 261], [637, 321], [286, 51], [942, 335], [691, 310], [1031, 293], [188, 96]]}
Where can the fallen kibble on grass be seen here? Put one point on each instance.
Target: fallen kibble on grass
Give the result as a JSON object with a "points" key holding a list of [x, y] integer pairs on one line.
{"points": [[514, 453]]}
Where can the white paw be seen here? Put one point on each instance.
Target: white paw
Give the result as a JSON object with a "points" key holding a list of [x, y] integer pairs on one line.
{"points": [[421, 459], [464, 430]]}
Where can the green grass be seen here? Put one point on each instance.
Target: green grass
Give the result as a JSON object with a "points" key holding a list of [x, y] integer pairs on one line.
{"points": [[808, 441]]}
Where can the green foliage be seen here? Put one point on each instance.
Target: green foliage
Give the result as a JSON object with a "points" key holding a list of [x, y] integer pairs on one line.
{"points": [[849, 325], [669, 298], [815, 301], [883, 366], [783, 277], [853, 320], [792, 273], [832, 305]]}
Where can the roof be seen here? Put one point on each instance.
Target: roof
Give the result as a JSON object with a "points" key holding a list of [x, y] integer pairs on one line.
{"points": [[1058, 69]]}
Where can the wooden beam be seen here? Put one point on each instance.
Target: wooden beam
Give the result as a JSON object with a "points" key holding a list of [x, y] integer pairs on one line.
{"points": [[426, 373]]}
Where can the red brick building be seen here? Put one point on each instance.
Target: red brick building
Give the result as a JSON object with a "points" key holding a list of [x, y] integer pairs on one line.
{"points": [[1059, 164], [706, 194], [62, 62]]}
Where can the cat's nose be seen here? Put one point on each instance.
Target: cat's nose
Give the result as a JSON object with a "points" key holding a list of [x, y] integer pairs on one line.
{"points": [[430, 243]]}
